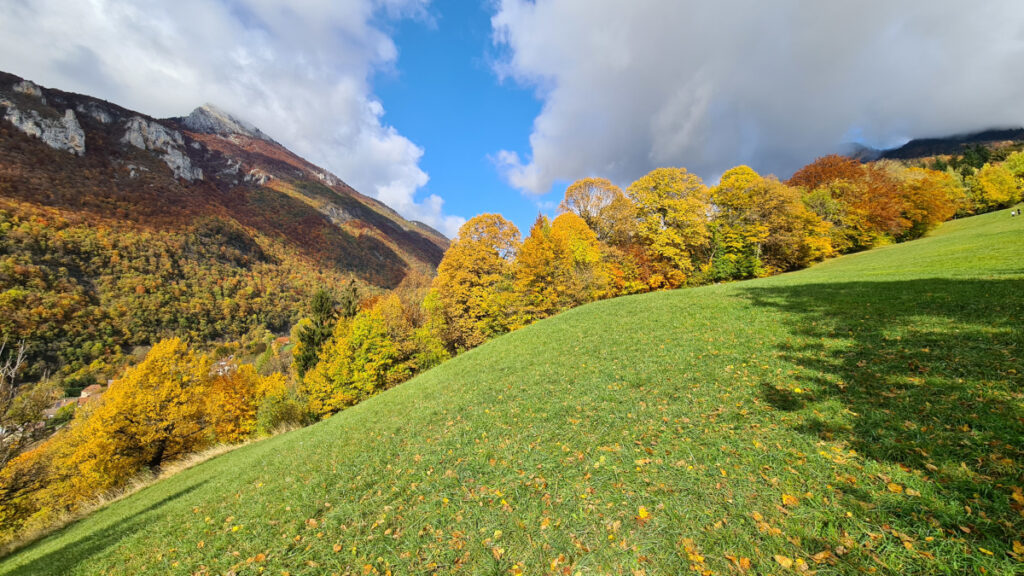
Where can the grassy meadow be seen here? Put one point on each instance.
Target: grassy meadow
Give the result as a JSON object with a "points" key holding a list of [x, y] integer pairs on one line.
{"points": [[864, 415]]}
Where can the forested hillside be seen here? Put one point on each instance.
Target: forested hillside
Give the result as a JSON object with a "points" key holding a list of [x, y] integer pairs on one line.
{"points": [[117, 229]]}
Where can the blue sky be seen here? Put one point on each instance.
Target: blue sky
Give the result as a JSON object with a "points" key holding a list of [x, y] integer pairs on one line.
{"points": [[445, 96]]}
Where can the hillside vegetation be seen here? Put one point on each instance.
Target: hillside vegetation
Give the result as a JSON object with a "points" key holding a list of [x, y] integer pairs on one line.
{"points": [[199, 232], [864, 414]]}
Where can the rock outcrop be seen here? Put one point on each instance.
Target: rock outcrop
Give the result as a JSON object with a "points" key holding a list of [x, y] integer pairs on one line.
{"points": [[257, 176], [29, 89], [327, 178], [153, 136], [96, 111], [208, 119], [336, 214], [59, 133]]}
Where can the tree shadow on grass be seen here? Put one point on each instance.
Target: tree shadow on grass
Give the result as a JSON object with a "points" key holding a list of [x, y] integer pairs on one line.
{"points": [[931, 371], [64, 558]]}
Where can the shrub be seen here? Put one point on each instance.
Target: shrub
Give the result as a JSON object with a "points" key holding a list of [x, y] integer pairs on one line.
{"points": [[281, 410]]}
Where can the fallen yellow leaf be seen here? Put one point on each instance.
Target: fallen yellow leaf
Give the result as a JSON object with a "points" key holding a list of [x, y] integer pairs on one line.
{"points": [[742, 564], [784, 561]]}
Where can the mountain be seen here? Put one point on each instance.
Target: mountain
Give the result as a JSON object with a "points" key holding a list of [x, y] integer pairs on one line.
{"points": [[926, 147], [211, 161], [208, 119], [944, 146], [201, 224]]}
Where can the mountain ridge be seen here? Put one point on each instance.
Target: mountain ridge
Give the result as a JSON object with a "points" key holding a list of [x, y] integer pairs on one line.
{"points": [[953, 144], [208, 148]]}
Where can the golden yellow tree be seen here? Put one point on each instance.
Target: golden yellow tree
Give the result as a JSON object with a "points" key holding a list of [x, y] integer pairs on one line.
{"points": [[418, 348], [760, 226], [603, 207], [326, 386], [672, 208], [540, 278], [360, 360], [995, 187], [153, 414], [23, 481], [1015, 164], [582, 265], [471, 297], [162, 409], [930, 198]]}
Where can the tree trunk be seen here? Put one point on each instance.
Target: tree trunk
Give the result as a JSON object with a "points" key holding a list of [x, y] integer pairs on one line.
{"points": [[158, 455]]}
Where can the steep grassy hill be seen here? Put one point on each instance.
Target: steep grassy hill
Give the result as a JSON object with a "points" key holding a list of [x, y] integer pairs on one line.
{"points": [[866, 414]]}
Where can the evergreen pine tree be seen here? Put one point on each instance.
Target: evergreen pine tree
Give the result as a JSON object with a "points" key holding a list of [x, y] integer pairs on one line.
{"points": [[312, 337]]}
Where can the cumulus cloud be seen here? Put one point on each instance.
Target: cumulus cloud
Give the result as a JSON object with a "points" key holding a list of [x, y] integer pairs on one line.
{"points": [[301, 71], [629, 86]]}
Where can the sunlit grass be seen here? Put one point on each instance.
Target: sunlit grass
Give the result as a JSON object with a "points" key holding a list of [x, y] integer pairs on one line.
{"points": [[866, 414]]}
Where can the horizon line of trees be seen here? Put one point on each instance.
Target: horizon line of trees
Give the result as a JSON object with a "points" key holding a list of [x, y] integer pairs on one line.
{"points": [[668, 230]]}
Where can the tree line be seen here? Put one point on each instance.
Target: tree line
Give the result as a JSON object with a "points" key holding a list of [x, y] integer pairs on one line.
{"points": [[665, 230], [668, 230]]}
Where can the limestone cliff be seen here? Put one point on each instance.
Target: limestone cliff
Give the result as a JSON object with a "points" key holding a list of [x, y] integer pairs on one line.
{"points": [[151, 135]]}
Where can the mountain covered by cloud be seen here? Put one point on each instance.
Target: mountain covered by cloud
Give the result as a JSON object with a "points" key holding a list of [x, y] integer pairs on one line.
{"points": [[629, 86], [300, 71]]}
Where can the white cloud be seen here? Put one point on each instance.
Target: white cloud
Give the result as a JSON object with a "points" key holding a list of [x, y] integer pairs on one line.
{"points": [[629, 86], [300, 71]]}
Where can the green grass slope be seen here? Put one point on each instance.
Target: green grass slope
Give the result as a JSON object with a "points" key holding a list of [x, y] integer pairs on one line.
{"points": [[863, 415]]}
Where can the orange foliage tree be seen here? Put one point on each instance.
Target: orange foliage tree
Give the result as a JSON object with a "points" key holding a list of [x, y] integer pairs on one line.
{"points": [[825, 170], [234, 399]]}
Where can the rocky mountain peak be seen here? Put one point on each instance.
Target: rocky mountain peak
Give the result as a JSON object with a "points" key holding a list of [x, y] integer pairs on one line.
{"points": [[208, 119]]}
